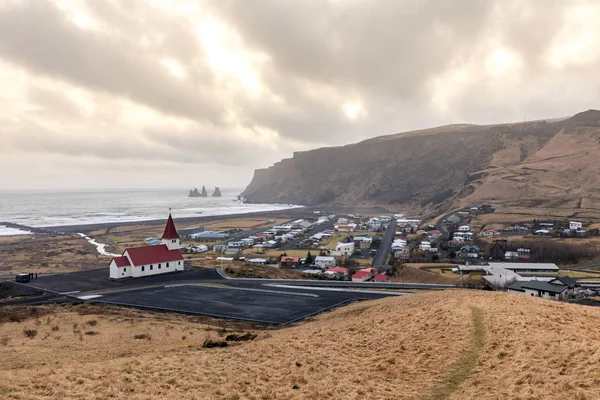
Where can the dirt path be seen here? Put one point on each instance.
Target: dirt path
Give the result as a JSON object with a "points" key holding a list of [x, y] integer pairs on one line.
{"points": [[467, 362]]}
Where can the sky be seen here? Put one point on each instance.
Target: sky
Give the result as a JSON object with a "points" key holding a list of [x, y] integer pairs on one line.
{"points": [[180, 94]]}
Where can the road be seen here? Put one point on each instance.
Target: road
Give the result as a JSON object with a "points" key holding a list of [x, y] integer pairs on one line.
{"points": [[385, 247]]}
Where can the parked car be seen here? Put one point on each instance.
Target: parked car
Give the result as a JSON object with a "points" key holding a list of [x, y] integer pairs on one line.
{"points": [[22, 278]]}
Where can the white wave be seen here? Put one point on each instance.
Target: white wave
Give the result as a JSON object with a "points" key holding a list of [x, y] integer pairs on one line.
{"points": [[6, 231]]}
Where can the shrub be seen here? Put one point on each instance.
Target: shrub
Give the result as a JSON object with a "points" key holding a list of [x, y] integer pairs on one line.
{"points": [[30, 333], [92, 333], [55, 328], [142, 336], [240, 338], [209, 344]]}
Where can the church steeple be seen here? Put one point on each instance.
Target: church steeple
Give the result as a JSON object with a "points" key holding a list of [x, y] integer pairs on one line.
{"points": [[170, 236]]}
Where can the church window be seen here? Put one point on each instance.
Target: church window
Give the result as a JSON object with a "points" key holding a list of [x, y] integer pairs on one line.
{"points": [[158, 266], [151, 267], [167, 265], [142, 268], [179, 262], [124, 269]]}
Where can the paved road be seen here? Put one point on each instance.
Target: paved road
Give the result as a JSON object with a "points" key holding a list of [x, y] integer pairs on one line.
{"points": [[386, 245], [584, 266]]}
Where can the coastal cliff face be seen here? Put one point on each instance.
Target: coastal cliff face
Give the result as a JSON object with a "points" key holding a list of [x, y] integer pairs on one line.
{"points": [[433, 168]]}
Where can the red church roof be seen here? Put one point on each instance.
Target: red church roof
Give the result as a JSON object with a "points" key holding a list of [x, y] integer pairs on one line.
{"points": [[152, 254], [121, 261], [170, 230]]}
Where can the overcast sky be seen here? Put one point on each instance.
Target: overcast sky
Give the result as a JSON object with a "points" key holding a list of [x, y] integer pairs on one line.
{"points": [[165, 93]]}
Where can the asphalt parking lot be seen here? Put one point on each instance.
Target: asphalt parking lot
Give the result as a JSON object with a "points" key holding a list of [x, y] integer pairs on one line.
{"points": [[97, 279], [267, 306]]}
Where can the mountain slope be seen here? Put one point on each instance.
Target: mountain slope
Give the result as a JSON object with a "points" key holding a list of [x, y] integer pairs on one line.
{"points": [[440, 166]]}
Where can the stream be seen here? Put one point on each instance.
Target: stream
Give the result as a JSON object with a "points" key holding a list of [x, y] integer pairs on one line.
{"points": [[99, 246]]}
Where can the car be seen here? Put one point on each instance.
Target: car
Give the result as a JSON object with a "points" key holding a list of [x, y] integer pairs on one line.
{"points": [[22, 278], [373, 251]]}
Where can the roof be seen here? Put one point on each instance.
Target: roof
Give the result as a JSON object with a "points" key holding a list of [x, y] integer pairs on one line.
{"points": [[517, 286], [567, 280], [360, 274], [170, 230], [121, 261], [324, 258], [529, 266], [338, 269], [545, 286], [380, 277], [290, 259], [152, 254]]}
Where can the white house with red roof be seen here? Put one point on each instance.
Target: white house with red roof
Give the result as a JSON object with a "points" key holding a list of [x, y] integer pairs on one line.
{"points": [[136, 262]]}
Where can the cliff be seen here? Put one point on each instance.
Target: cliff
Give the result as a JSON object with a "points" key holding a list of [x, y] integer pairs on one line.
{"points": [[436, 167]]}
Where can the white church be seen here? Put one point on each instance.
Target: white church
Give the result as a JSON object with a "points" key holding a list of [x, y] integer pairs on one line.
{"points": [[150, 260]]}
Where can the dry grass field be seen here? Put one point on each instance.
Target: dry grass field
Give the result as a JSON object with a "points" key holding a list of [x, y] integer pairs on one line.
{"points": [[438, 345], [43, 254], [424, 273]]}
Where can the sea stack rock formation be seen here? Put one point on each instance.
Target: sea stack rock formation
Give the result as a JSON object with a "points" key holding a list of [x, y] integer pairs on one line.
{"points": [[196, 193], [217, 192]]}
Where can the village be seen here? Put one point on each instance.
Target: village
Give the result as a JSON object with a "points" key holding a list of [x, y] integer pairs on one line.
{"points": [[516, 257]]}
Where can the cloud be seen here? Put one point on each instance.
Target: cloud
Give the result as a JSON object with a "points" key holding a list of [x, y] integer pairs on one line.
{"points": [[208, 87]]}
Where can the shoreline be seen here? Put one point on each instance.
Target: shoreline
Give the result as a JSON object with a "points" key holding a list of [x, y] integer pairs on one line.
{"points": [[294, 212]]}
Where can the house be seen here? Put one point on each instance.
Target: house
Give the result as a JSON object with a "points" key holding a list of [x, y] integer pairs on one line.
{"points": [[219, 248], [324, 262], [528, 269], [487, 208], [345, 228], [380, 278], [236, 244], [425, 246], [344, 249], [489, 232], [464, 228], [523, 254], [363, 275], [363, 242], [198, 249], [290, 262], [257, 261], [336, 272], [511, 256], [573, 287], [403, 253], [575, 226], [209, 236], [469, 251], [542, 232], [150, 260], [453, 219], [546, 290]]}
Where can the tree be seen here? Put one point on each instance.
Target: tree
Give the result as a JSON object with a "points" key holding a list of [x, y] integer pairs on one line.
{"points": [[309, 259]]}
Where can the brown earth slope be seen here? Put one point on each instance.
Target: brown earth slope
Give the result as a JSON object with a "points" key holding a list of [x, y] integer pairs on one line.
{"points": [[543, 161], [438, 345]]}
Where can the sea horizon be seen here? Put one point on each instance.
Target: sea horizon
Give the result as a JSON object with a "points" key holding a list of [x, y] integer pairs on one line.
{"points": [[86, 206]]}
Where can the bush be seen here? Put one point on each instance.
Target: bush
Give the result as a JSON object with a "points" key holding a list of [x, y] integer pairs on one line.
{"points": [[142, 336], [209, 344], [240, 338], [92, 333], [30, 333]]}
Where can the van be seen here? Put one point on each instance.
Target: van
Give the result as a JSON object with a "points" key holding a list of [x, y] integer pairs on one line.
{"points": [[22, 278]]}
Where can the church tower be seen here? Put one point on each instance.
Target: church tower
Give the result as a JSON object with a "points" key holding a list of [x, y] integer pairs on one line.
{"points": [[170, 236]]}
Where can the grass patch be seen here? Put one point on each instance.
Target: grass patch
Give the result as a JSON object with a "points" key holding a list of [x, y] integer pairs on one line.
{"points": [[240, 338]]}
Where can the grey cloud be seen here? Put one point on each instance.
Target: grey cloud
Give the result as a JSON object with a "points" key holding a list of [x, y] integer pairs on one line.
{"points": [[36, 36]]}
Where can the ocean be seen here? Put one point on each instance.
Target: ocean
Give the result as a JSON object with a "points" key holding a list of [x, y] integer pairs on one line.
{"points": [[47, 208]]}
